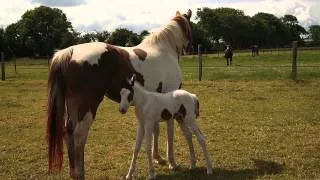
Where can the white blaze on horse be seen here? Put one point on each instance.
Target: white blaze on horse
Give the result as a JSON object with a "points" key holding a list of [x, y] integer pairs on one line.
{"points": [[151, 107], [81, 75]]}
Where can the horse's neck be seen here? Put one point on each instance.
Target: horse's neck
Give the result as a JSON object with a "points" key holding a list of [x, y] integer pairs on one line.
{"points": [[169, 36], [140, 95]]}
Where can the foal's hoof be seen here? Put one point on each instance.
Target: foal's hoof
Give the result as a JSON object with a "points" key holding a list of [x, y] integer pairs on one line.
{"points": [[152, 176], [174, 167], [159, 161], [209, 171], [128, 177]]}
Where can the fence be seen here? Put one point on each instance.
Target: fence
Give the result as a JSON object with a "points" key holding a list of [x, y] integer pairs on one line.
{"points": [[272, 64], [285, 64]]}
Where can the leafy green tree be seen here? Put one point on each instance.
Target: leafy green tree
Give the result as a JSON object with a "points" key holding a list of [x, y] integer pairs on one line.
{"points": [[199, 37], [15, 40], [124, 37], [143, 34], [46, 27], [295, 29], [314, 31], [277, 33], [101, 36]]}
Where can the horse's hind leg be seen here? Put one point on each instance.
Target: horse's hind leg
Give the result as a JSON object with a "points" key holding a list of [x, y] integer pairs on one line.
{"points": [[155, 148], [72, 119], [80, 134], [188, 137], [191, 122], [170, 153]]}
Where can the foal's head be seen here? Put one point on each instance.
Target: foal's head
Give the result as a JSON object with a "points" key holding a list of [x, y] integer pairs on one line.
{"points": [[126, 94]]}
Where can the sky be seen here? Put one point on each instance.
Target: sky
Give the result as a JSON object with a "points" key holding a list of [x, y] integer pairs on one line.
{"points": [[138, 15]]}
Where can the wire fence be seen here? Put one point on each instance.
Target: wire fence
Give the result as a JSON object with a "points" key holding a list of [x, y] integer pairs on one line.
{"points": [[270, 64]]}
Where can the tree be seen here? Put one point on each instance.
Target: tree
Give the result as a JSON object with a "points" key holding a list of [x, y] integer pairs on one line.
{"points": [[15, 40], [101, 36], [45, 27], [296, 30], [143, 34], [277, 33], [314, 31], [199, 37], [124, 37]]}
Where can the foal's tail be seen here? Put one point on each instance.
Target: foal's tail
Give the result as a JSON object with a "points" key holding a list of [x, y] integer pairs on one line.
{"points": [[196, 104], [56, 108]]}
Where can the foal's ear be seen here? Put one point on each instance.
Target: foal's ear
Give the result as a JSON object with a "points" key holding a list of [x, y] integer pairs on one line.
{"points": [[133, 78], [178, 13]]}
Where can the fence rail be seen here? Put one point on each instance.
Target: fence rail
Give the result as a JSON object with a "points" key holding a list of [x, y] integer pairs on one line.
{"points": [[211, 66]]}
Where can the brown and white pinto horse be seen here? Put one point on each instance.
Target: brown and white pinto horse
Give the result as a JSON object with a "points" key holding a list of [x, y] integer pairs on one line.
{"points": [[81, 75]]}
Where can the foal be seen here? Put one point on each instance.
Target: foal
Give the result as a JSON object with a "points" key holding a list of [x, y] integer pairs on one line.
{"points": [[151, 107]]}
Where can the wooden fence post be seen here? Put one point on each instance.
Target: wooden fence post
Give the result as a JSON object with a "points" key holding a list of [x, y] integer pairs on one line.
{"points": [[199, 62], [3, 74], [294, 60], [15, 64]]}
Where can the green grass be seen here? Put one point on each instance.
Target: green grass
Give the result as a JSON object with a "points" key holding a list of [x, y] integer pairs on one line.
{"points": [[263, 67], [256, 128]]}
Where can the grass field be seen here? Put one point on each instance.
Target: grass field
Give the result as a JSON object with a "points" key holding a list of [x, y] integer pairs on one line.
{"points": [[257, 125]]}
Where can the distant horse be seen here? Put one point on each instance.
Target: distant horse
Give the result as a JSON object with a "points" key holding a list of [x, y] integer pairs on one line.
{"points": [[228, 55], [255, 50], [81, 75]]}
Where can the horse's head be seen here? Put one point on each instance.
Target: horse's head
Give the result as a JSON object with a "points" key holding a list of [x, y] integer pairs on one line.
{"points": [[185, 24], [126, 95]]}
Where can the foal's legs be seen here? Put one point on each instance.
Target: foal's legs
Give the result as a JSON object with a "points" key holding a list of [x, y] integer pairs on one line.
{"points": [[191, 122], [139, 138], [170, 153], [148, 128], [155, 148], [188, 136]]}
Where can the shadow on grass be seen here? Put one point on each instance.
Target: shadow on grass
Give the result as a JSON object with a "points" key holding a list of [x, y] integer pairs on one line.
{"points": [[261, 168]]}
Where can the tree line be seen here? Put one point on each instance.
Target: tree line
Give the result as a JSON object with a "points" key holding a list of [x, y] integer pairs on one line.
{"points": [[42, 30]]}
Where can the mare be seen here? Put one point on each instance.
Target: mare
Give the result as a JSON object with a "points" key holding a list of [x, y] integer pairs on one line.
{"points": [[81, 75]]}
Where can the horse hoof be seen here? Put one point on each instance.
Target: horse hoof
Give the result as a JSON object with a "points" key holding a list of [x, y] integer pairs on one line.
{"points": [[159, 161], [152, 176], [193, 166], [128, 177], [174, 167], [209, 171]]}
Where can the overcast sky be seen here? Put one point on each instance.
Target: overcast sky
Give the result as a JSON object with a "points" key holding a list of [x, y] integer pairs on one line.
{"points": [[137, 15]]}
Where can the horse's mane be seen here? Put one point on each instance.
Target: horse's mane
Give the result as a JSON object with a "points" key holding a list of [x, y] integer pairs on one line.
{"points": [[171, 33]]}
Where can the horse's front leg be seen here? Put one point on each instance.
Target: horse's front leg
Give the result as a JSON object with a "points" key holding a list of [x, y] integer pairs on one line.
{"points": [[170, 153], [149, 126], [139, 138], [155, 148]]}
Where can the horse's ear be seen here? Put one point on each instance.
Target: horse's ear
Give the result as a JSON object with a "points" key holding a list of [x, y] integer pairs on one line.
{"points": [[189, 13], [178, 13]]}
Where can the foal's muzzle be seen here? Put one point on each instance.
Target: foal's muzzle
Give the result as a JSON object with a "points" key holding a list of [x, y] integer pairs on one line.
{"points": [[122, 110]]}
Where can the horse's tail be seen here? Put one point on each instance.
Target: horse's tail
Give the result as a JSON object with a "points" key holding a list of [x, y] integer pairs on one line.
{"points": [[56, 108]]}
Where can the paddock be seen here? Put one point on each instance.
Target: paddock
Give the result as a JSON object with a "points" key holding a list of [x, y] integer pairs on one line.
{"points": [[257, 124]]}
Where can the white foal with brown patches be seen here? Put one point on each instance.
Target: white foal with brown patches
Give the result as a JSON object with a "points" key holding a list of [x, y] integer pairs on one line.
{"points": [[152, 107]]}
